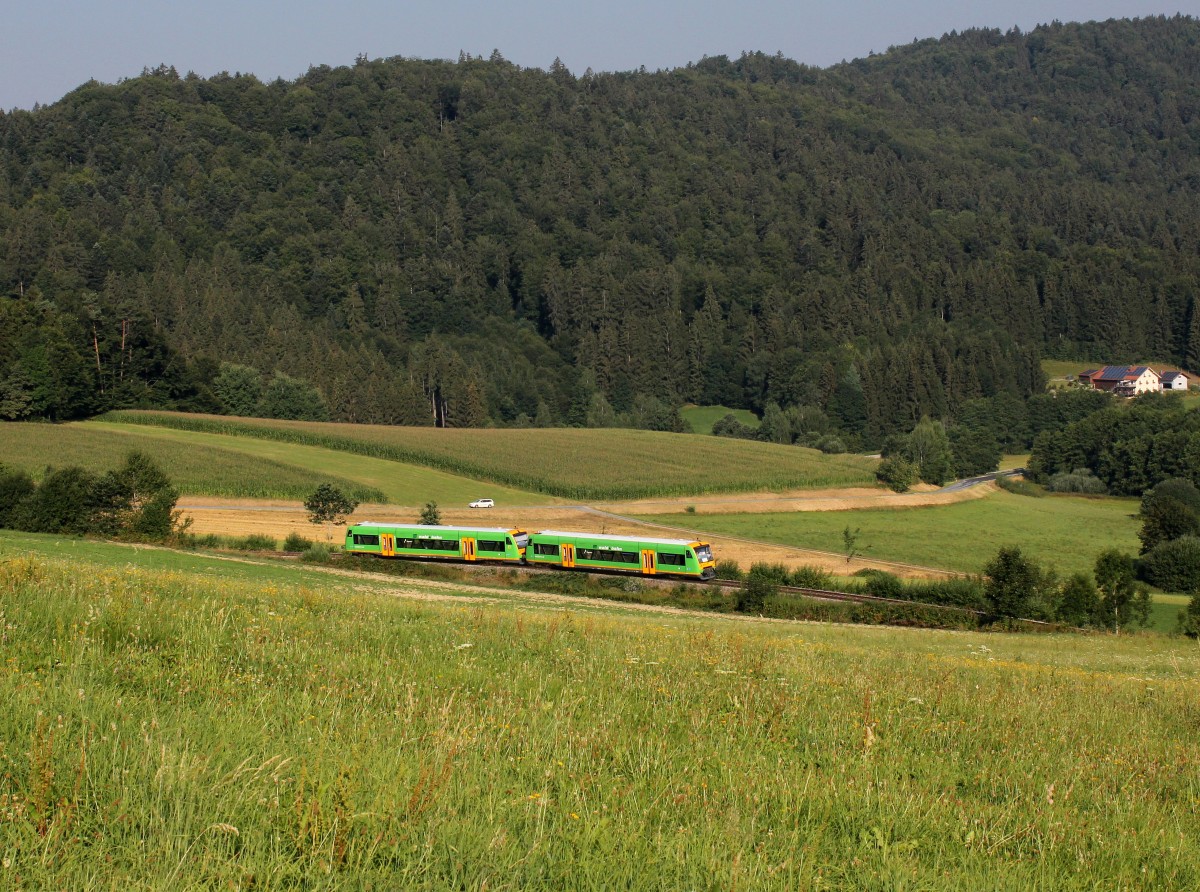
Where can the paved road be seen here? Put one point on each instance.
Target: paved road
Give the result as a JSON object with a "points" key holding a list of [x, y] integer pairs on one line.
{"points": [[967, 483]]}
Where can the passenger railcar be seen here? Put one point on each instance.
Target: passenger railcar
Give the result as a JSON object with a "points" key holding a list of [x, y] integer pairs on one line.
{"points": [[437, 542], [649, 557]]}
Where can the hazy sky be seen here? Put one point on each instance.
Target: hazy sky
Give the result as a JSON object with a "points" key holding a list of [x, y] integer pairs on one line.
{"points": [[48, 48]]}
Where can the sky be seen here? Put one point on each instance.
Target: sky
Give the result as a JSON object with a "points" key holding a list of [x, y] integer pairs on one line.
{"points": [[48, 48]]}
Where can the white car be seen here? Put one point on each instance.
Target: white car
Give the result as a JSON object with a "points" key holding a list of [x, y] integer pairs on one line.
{"points": [[483, 503]]}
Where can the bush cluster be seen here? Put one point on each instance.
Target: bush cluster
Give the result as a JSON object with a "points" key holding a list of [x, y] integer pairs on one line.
{"points": [[135, 502], [1080, 480]]}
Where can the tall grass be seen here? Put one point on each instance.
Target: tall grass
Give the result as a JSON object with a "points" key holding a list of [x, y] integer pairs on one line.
{"points": [[581, 464], [179, 730]]}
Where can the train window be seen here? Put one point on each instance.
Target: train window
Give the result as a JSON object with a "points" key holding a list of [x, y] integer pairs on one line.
{"points": [[545, 548], [626, 557], [674, 560], [490, 545], [704, 553], [438, 544], [365, 539]]}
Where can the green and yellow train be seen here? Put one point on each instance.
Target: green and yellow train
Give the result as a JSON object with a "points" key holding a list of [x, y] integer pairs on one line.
{"points": [[549, 548]]}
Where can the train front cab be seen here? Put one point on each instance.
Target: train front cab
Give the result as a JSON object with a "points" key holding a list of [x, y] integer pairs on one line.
{"points": [[693, 559], [651, 557]]}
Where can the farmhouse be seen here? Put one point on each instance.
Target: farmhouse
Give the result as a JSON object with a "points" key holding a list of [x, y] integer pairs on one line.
{"points": [[1123, 380], [1174, 381]]}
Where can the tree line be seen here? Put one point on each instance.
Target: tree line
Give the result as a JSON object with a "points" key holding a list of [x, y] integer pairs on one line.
{"points": [[471, 242]]}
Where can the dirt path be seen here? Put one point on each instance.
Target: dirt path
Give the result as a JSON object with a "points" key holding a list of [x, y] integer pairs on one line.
{"points": [[277, 519]]}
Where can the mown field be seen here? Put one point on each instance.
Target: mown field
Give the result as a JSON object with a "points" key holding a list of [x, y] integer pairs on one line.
{"points": [[225, 725], [572, 463], [195, 467], [1065, 531], [702, 418]]}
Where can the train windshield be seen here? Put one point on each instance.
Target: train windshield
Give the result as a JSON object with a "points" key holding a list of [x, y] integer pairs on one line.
{"points": [[703, 554]]}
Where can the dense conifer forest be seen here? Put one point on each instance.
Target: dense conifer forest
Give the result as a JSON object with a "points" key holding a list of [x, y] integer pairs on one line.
{"points": [[471, 242]]}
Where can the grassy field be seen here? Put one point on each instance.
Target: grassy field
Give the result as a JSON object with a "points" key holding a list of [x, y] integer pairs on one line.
{"points": [[581, 464], [219, 725], [1060, 368], [195, 466], [399, 483], [1066, 531], [702, 418]]}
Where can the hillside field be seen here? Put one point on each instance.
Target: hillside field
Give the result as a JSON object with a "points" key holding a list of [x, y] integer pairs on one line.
{"points": [[398, 482], [223, 724], [202, 464], [196, 466], [1065, 531], [572, 463]]}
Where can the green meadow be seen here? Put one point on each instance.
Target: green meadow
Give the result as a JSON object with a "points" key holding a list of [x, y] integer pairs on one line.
{"points": [[1065, 531], [702, 418], [217, 724]]}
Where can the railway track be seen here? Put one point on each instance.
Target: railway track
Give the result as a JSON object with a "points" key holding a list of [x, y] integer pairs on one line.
{"points": [[732, 585], [818, 594]]}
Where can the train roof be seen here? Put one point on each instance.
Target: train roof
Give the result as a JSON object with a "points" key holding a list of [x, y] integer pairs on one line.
{"points": [[600, 537], [433, 529]]}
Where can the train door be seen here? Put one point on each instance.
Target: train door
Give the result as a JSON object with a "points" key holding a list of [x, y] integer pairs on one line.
{"points": [[387, 545], [648, 561], [468, 549], [568, 555]]}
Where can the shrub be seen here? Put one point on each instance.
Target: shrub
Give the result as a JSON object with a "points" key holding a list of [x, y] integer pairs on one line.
{"points": [[1177, 488], [317, 553], [728, 570], [253, 542], [959, 591], [296, 542], [62, 504], [881, 584], [1080, 602], [762, 582], [1165, 518], [729, 426], [1174, 566], [897, 473], [1020, 486], [811, 577], [831, 445], [1189, 618], [1081, 480], [15, 488]]}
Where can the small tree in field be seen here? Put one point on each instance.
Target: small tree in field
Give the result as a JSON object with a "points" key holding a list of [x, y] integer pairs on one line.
{"points": [[1114, 580], [329, 505], [1011, 582], [430, 515]]}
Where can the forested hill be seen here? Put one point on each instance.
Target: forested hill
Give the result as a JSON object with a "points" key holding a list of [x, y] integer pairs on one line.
{"points": [[476, 241]]}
